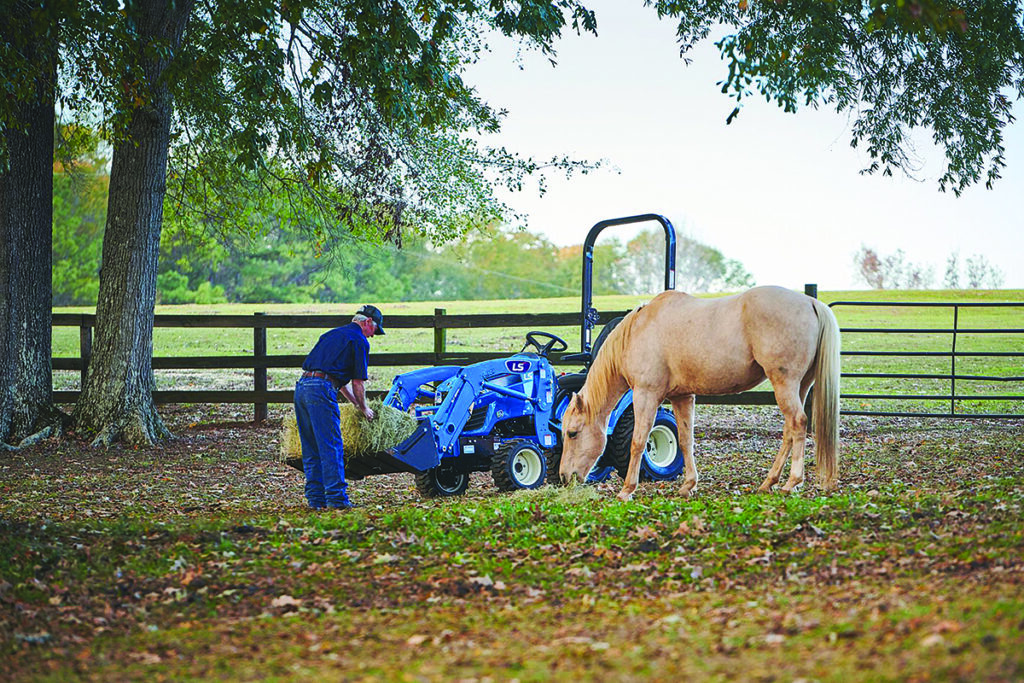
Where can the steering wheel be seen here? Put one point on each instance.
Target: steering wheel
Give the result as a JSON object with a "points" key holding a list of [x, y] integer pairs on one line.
{"points": [[556, 344]]}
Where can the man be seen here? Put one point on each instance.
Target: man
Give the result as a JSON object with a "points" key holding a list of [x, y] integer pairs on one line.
{"points": [[337, 365]]}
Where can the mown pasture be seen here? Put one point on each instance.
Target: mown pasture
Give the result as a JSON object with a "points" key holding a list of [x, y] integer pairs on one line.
{"points": [[196, 560], [213, 342]]}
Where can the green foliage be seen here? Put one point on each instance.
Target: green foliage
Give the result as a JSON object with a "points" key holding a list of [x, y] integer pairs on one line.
{"points": [[79, 214], [172, 288], [277, 264], [953, 68]]}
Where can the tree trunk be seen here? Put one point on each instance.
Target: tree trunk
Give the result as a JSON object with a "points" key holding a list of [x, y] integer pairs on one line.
{"points": [[26, 236], [117, 401]]}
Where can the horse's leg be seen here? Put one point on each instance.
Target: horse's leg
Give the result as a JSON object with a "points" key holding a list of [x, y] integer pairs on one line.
{"points": [[683, 408], [788, 396], [645, 406], [788, 399], [776, 469]]}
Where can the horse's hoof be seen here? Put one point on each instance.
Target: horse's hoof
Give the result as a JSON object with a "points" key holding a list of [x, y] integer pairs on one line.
{"points": [[764, 488], [785, 491], [625, 497]]}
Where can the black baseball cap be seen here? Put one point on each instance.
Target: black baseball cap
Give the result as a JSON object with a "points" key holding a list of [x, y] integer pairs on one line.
{"points": [[374, 314]]}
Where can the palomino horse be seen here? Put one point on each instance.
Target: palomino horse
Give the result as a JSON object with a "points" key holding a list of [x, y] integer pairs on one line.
{"points": [[678, 346]]}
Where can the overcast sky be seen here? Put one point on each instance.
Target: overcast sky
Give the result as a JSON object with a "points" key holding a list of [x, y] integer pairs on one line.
{"points": [[779, 192]]}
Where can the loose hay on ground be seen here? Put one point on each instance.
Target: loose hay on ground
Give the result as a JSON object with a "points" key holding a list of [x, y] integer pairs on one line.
{"points": [[361, 436], [573, 495]]}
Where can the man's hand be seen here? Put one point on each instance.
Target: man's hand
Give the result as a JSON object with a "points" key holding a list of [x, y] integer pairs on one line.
{"points": [[357, 396]]}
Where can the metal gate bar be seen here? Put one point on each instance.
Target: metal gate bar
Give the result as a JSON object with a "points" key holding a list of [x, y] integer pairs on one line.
{"points": [[956, 332]]}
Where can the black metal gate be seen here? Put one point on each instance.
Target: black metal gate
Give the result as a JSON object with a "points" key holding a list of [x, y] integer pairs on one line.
{"points": [[966, 372]]}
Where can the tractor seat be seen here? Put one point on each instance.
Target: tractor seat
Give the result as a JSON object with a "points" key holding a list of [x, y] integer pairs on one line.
{"points": [[570, 383], [587, 357]]}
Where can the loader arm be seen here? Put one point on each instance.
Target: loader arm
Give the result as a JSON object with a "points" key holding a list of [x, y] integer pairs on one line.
{"points": [[407, 388]]}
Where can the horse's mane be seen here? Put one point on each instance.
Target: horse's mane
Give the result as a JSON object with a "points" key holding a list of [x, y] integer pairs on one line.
{"points": [[606, 366]]}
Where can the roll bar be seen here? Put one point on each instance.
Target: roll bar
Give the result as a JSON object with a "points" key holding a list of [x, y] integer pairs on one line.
{"points": [[588, 315]]}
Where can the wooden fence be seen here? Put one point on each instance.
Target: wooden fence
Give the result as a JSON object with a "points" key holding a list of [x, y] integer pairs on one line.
{"points": [[260, 361]]}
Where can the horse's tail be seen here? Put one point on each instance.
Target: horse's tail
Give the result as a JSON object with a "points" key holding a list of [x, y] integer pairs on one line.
{"points": [[825, 409]]}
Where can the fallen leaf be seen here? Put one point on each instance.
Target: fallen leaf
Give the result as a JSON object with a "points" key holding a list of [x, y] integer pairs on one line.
{"points": [[285, 601], [947, 626]]}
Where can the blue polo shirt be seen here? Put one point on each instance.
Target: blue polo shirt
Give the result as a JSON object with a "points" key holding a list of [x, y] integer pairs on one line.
{"points": [[343, 353]]}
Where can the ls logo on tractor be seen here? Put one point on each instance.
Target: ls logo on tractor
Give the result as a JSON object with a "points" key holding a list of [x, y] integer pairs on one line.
{"points": [[519, 366]]}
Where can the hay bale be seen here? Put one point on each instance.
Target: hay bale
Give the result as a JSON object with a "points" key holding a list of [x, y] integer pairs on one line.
{"points": [[291, 447], [389, 428], [361, 436]]}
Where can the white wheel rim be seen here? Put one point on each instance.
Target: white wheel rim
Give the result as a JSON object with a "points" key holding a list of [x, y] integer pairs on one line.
{"points": [[456, 482], [527, 467], [662, 446]]}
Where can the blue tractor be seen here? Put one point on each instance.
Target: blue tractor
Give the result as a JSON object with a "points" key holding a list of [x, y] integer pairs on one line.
{"points": [[503, 416]]}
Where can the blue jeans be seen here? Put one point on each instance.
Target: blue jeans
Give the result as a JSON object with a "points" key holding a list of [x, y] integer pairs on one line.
{"points": [[316, 414]]}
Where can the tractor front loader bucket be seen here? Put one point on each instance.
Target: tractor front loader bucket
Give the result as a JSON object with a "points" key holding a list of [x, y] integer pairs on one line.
{"points": [[416, 454]]}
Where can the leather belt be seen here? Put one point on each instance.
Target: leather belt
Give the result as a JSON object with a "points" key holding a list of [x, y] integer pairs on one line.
{"points": [[317, 373]]}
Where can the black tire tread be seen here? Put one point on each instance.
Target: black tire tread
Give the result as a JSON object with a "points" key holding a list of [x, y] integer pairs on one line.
{"points": [[616, 452], [554, 461], [426, 484]]}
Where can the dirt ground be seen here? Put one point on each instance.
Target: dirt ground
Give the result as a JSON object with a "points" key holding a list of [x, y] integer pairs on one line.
{"points": [[219, 459]]}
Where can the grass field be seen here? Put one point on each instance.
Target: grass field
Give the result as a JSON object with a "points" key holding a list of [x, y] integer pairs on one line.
{"points": [[204, 341], [196, 559]]}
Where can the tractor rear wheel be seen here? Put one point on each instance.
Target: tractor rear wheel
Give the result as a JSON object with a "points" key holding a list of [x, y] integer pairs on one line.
{"points": [[554, 461], [599, 473], [441, 481], [662, 459], [519, 464]]}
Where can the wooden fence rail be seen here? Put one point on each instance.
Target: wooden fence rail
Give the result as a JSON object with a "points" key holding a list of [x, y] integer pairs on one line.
{"points": [[260, 361]]}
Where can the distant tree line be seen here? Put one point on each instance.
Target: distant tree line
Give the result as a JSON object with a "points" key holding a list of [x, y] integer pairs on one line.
{"points": [[277, 264], [897, 271]]}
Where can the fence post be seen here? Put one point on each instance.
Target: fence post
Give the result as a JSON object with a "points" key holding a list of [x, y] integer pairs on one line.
{"points": [[85, 349], [810, 290], [952, 359], [440, 336], [259, 375]]}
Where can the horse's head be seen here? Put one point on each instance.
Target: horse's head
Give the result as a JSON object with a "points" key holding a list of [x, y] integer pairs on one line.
{"points": [[583, 440]]}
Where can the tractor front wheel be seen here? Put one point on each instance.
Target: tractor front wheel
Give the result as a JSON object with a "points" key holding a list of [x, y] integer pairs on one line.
{"points": [[519, 464], [443, 480]]}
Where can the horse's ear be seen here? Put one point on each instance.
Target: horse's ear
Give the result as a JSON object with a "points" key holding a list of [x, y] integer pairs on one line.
{"points": [[576, 402]]}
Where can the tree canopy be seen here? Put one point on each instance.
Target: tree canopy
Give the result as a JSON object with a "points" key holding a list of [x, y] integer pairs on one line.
{"points": [[950, 67], [347, 118]]}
